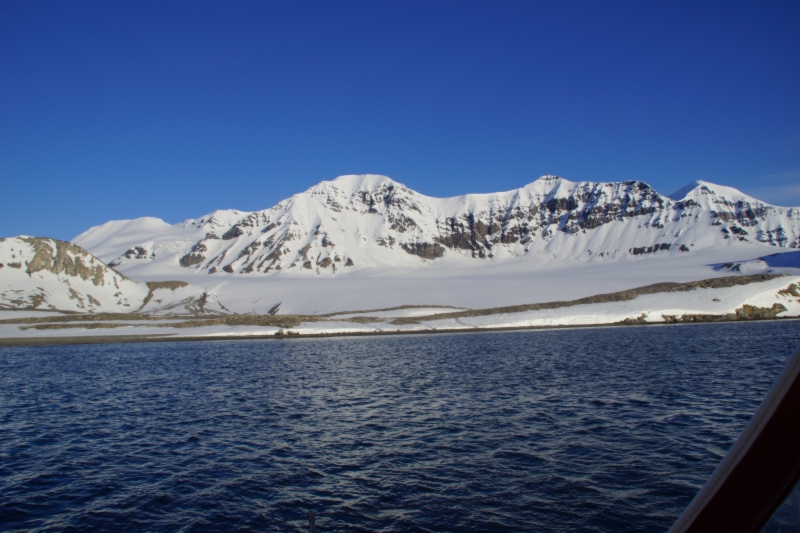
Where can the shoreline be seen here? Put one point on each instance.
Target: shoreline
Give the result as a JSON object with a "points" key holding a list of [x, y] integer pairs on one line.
{"points": [[743, 298], [16, 342]]}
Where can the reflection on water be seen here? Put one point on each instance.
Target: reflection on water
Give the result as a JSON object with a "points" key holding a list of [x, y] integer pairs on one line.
{"points": [[606, 429]]}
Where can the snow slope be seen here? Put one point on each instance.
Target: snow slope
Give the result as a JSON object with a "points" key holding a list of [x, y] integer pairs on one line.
{"points": [[781, 295]]}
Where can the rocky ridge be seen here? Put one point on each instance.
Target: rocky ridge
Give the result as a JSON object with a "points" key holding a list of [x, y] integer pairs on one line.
{"points": [[366, 221]]}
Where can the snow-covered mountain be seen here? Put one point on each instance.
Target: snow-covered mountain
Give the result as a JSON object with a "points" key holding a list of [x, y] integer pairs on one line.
{"points": [[56, 275], [50, 275], [358, 222]]}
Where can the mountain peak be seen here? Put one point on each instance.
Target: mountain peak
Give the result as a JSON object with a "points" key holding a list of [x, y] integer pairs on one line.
{"points": [[361, 182], [547, 179], [695, 186], [700, 189]]}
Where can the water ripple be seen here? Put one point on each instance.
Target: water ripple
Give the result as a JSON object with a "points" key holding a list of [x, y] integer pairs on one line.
{"points": [[606, 429]]}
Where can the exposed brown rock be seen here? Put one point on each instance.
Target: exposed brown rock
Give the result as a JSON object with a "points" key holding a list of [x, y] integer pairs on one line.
{"points": [[60, 261], [630, 294], [791, 290], [155, 285], [749, 312]]}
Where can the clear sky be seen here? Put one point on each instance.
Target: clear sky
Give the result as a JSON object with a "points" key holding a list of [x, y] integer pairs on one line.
{"points": [[114, 110]]}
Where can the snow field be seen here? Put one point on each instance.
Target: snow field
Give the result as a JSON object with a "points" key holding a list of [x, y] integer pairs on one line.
{"points": [[652, 306]]}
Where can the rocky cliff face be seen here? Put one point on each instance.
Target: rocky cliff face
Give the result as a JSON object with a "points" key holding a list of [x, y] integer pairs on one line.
{"points": [[366, 221]]}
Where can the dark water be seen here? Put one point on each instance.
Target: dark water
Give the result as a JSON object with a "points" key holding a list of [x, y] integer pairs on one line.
{"points": [[610, 429]]}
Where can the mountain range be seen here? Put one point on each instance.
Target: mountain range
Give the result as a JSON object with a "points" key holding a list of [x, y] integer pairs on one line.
{"points": [[368, 242], [365, 221]]}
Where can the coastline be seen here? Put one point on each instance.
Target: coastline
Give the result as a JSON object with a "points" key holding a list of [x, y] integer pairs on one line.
{"points": [[726, 299], [16, 342]]}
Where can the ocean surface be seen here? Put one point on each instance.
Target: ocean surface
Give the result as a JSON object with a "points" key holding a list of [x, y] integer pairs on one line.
{"points": [[584, 430]]}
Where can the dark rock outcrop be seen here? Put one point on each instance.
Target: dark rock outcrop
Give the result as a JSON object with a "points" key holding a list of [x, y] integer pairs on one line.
{"points": [[424, 250], [650, 249], [191, 259], [232, 233]]}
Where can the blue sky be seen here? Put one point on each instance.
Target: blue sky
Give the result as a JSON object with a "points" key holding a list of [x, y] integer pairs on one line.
{"points": [[114, 110]]}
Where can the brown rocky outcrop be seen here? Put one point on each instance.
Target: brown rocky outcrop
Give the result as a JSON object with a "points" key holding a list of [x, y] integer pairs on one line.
{"points": [[65, 258]]}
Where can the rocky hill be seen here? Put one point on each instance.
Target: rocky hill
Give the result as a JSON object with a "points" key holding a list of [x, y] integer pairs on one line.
{"points": [[51, 275]]}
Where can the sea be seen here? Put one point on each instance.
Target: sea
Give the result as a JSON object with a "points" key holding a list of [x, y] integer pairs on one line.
{"points": [[608, 429]]}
